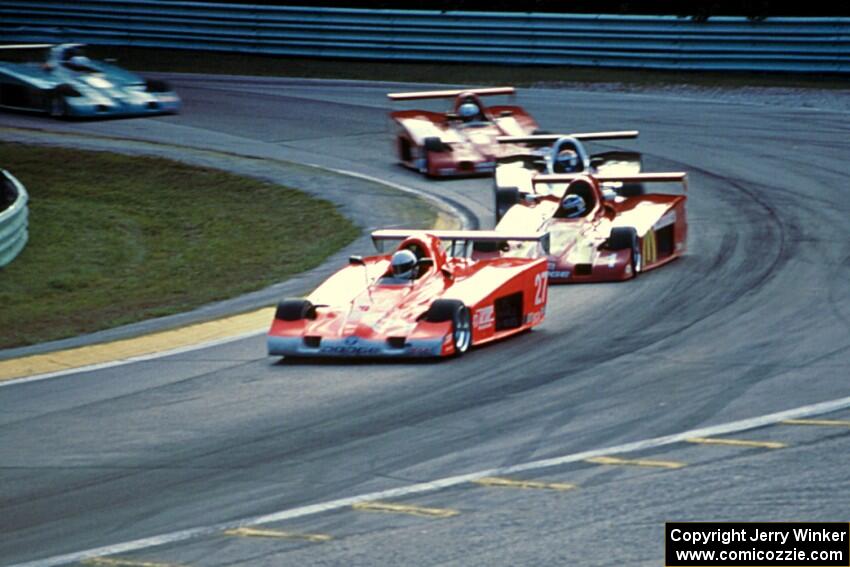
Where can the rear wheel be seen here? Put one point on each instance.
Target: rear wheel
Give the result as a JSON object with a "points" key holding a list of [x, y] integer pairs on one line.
{"points": [[456, 312], [631, 190]]}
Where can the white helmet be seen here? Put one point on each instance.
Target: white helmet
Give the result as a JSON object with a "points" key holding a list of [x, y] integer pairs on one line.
{"points": [[403, 264], [80, 61], [468, 110], [573, 206], [566, 162]]}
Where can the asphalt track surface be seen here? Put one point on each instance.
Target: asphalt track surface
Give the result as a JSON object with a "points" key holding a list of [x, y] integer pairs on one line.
{"points": [[754, 319]]}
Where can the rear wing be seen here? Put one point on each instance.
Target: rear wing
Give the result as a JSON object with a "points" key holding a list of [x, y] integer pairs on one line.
{"points": [[25, 52], [460, 239], [665, 177], [544, 139], [450, 93], [28, 46]]}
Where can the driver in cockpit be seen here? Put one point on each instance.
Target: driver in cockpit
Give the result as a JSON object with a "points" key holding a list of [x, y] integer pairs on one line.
{"points": [[403, 268], [573, 206], [566, 162], [470, 113]]}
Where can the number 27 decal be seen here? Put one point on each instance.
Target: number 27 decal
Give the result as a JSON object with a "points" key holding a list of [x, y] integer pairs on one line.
{"points": [[540, 287]]}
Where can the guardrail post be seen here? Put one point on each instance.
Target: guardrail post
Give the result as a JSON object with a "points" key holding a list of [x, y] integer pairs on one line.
{"points": [[13, 219]]}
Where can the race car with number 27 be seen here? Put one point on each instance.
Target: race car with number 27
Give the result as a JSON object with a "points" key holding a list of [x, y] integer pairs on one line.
{"points": [[439, 293]]}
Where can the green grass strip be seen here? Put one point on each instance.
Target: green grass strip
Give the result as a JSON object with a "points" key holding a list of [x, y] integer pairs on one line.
{"points": [[117, 239]]}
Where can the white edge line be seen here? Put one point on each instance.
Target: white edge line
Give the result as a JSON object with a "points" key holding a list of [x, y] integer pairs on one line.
{"points": [[436, 201], [437, 485]]}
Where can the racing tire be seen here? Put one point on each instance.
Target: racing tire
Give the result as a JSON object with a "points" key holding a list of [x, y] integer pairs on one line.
{"points": [[506, 198], [631, 190], [455, 311], [57, 107], [625, 238], [426, 163], [433, 144], [295, 310]]}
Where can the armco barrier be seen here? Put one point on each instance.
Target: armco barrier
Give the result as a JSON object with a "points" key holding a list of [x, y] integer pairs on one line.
{"points": [[13, 219], [814, 45]]}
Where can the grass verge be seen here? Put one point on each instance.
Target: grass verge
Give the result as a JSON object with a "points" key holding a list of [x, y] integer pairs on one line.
{"points": [[174, 60], [117, 239]]}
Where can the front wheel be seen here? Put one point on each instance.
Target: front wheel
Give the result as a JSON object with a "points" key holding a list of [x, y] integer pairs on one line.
{"points": [[458, 313], [462, 330], [57, 107], [625, 238]]}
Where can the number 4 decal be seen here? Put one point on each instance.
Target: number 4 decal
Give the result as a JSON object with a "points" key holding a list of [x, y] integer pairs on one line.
{"points": [[540, 287]]}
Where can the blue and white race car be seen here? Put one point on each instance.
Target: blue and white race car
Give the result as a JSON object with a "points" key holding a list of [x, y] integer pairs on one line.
{"points": [[65, 83]]}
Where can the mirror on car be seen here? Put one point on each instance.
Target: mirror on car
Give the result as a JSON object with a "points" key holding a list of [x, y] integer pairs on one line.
{"points": [[356, 261]]}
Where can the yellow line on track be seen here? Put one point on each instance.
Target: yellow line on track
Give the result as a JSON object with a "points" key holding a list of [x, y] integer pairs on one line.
{"points": [[120, 562], [820, 422], [737, 442], [635, 462], [499, 482], [129, 348], [255, 532], [115, 351], [393, 508]]}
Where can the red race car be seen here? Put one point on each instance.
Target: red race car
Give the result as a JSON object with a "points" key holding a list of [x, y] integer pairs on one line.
{"points": [[437, 294], [560, 153], [596, 236], [463, 140]]}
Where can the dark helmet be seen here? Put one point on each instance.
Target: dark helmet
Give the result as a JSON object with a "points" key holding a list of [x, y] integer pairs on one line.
{"points": [[566, 162], [573, 206]]}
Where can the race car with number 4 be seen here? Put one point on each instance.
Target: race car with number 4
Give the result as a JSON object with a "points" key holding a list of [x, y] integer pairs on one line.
{"points": [[439, 293], [597, 236], [461, 141], [549, 154]]}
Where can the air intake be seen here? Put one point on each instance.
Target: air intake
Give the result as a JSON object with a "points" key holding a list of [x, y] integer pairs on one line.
{"points": [[583, 269]]}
